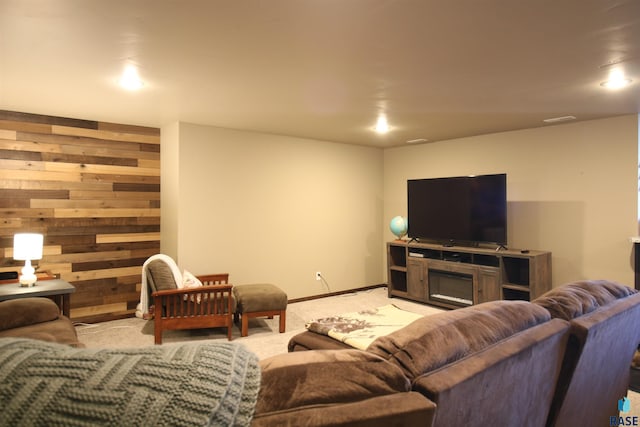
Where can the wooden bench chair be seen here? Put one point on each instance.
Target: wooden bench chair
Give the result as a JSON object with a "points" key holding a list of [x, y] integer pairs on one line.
{"points": [[209, 306]]}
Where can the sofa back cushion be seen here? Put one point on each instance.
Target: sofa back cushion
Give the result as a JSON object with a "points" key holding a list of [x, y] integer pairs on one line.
{"points": [[579, 298], [60, 330], [27, 311], [508, 384], [596, 370], [443, 338]]}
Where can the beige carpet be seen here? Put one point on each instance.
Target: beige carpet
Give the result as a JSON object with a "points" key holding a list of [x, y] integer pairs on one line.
{"points": [[263, 339]]}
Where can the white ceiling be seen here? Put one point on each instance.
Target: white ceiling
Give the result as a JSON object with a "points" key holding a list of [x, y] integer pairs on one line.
{"points": [[323, 69]]}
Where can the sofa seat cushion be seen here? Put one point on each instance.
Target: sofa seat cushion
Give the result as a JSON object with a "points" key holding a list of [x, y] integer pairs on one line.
{"points": [[317, 377], [440, 339], [579, 298]]}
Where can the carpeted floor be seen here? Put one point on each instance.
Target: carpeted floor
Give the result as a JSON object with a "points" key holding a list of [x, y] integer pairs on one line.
{"points": [[263, 339]]}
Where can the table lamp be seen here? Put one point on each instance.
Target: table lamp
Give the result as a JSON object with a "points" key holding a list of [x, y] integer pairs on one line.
{"points": [[26, 247]]}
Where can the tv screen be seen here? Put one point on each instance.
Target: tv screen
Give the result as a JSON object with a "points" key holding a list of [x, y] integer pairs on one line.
{"points": [[465, 209]]}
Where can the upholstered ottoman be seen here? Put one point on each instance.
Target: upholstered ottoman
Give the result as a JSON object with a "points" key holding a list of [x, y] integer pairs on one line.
{"points": [[260, 300]]}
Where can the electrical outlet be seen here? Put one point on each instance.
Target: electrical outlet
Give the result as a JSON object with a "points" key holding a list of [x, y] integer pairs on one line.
{"points": [[318, 275]]}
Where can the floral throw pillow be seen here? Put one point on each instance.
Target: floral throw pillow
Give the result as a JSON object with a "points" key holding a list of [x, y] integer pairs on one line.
{"points": [[191, 281]]}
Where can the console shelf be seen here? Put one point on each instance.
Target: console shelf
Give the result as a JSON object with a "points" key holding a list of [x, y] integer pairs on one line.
{"points": [[465, 275]]}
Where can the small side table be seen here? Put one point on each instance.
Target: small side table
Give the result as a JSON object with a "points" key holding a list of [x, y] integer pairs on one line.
{"points": [[58, 290]]}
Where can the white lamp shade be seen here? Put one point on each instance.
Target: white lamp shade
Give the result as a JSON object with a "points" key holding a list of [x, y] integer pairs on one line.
{"points": [[27, 246]]}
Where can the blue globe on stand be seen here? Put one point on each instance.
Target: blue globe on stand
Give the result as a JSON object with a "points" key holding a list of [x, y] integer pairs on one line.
{"points": [[399, 226]]}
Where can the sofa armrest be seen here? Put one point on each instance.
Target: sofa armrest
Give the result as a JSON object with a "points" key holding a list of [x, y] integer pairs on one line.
{"points": [[21, 312]]}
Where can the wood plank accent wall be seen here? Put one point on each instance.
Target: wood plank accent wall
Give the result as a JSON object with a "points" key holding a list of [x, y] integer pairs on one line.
{"points": [[93, 190]]}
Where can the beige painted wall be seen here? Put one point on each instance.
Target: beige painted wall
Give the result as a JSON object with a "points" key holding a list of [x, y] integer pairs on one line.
{"points": [[276, 209], [572, 189], [169, 188]]}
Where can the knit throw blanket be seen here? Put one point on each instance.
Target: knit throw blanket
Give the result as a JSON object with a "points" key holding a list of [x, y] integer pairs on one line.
{"points": [[45, 384]]}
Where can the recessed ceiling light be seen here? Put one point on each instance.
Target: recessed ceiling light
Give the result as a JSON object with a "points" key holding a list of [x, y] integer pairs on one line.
{"points": [[382, 126], [559, 119], [616, 80], [130, 79]]}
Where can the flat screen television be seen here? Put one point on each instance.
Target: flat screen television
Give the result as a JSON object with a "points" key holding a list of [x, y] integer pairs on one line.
{"points": [[458, 210]]}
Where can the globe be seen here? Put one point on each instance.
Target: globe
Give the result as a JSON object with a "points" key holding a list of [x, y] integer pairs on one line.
{"points": [[399, 226]]}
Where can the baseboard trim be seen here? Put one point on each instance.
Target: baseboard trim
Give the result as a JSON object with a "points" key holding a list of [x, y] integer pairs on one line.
{"points": [[332, 294]]}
